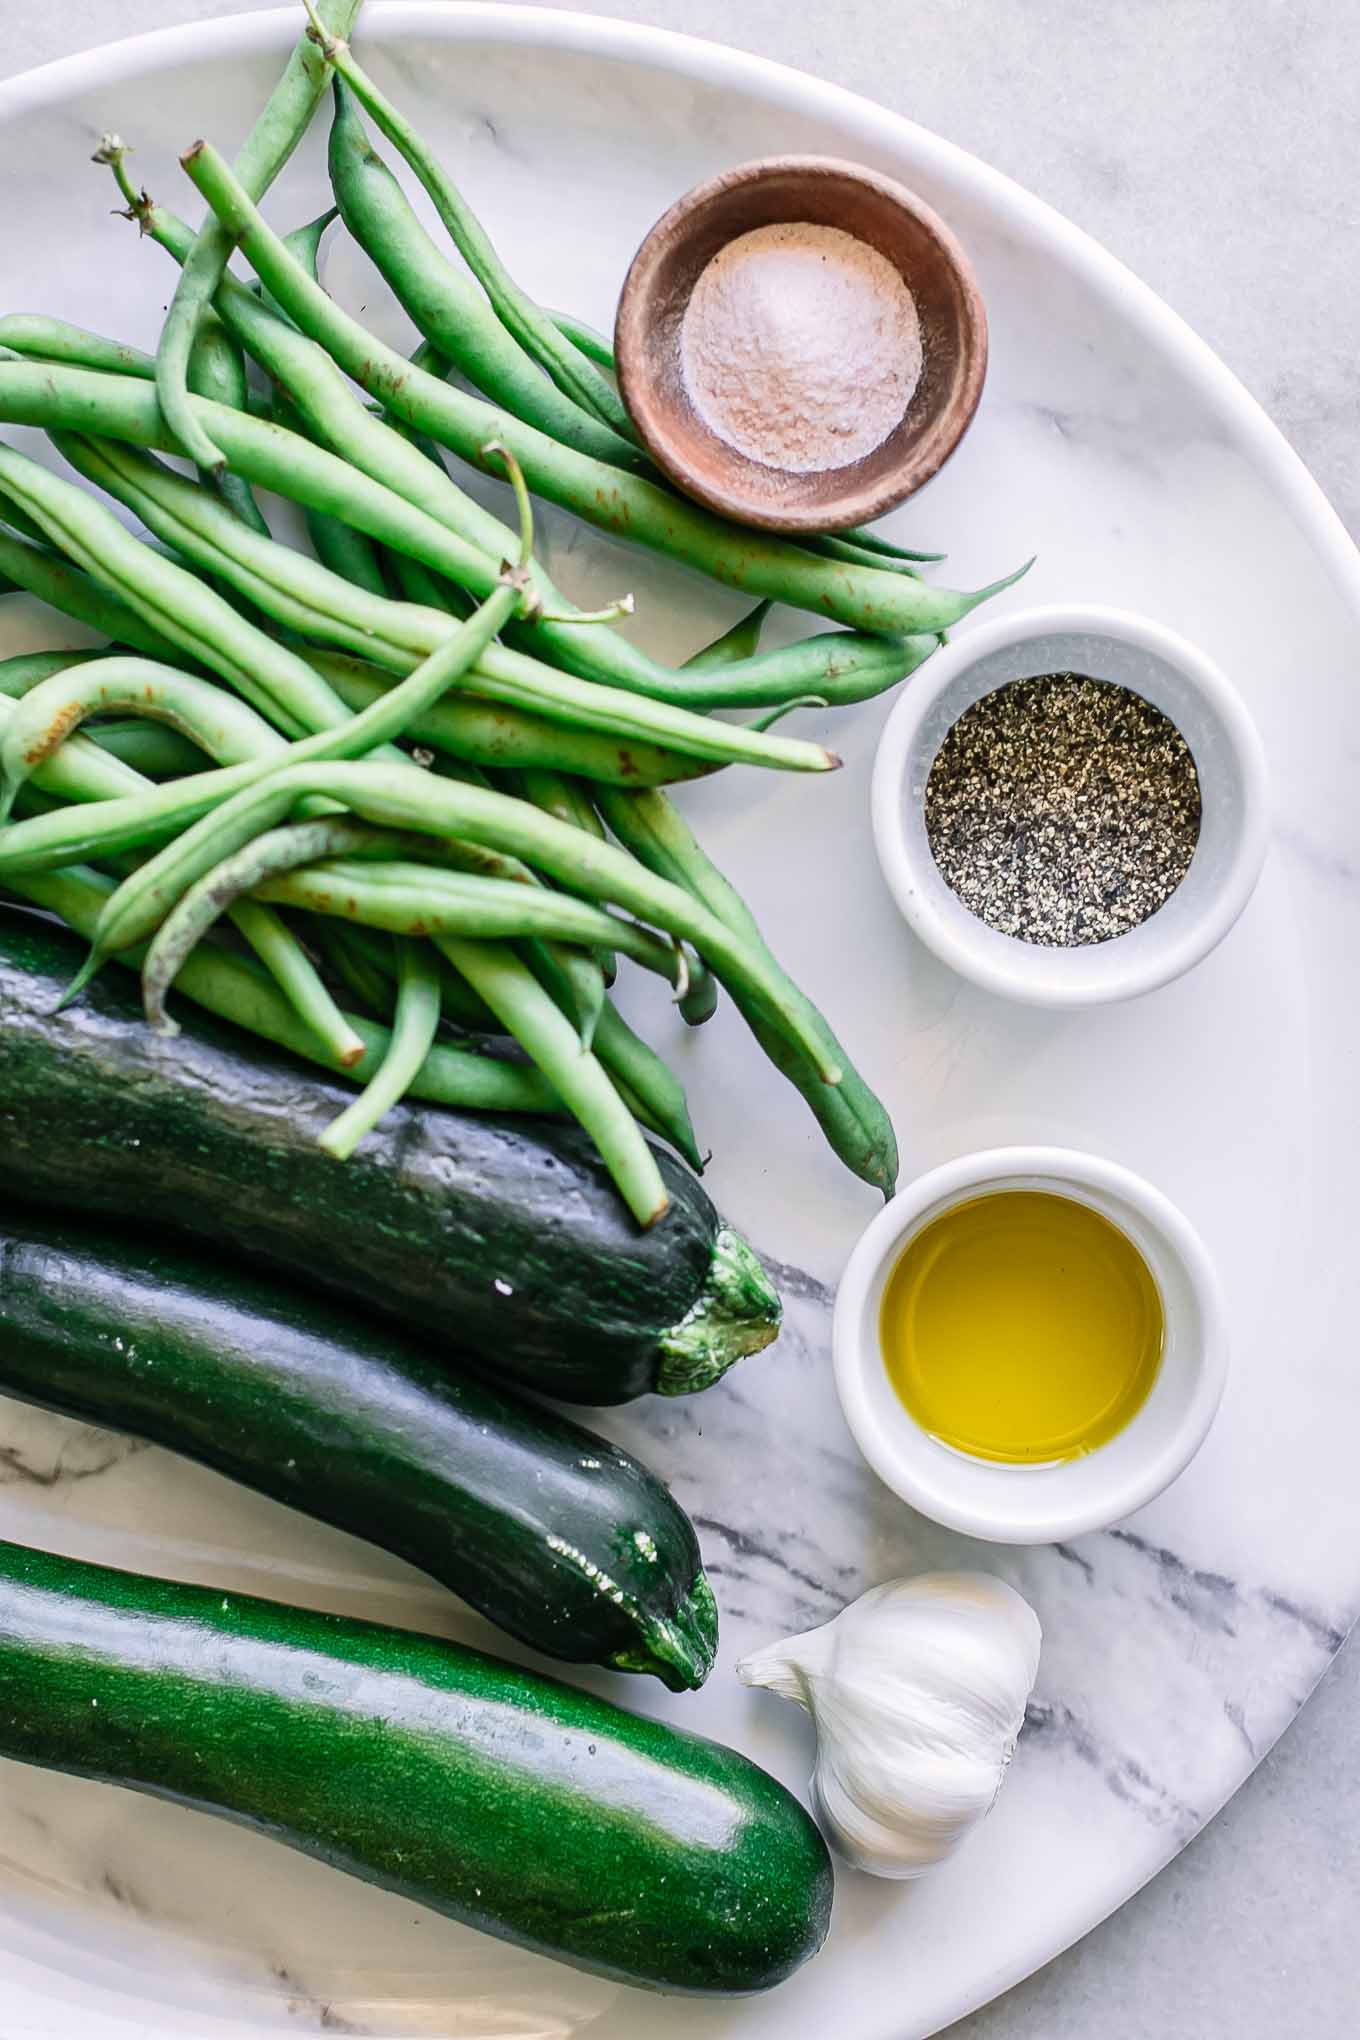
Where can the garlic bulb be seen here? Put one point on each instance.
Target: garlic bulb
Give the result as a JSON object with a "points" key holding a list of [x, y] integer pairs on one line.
{"points": [[918, 1692]]}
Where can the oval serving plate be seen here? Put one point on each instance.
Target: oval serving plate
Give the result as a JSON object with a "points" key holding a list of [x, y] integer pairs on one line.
{"points": [[1176, 1648]]}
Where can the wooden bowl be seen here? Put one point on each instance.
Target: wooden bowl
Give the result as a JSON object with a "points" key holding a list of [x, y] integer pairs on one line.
{"points": [[822, 191]]}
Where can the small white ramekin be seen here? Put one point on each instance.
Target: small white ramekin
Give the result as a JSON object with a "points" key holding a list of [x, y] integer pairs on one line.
{"points": [[1132, 652], [1036, 1504]]}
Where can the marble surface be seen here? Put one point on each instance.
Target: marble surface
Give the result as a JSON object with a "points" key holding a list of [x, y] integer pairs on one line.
{"points": [[1216, 1625]]}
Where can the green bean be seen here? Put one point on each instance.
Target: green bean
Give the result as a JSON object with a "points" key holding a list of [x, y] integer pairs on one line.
{"points": [[297, 978], [364, 979], [171, 599], [420, 899], [47, 339], [529, 1013], [324, 398], [869, 540], [306, 596], [629, 506], [582, 979], [516, 310], [20, 674], [585, 339], [861, 538], [446, 305], [80, 771], [53, 580], [652, 1092], [556, 794], [217, 371], [741, 641], [52, 710], [415, 1024], [401, 796], [854, 1121], [833, 546], [224, 889], [347, 552], [595, 347], [484, 734], [267, 148], [235, 990], [111, 825], [414, 582], [20, 521], [134, 823], [304, 243], [155, 752], [841, 665]]}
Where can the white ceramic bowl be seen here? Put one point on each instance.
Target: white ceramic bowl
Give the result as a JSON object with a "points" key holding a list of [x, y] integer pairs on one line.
{"points": [[1131, 651], [1036, 1504]]}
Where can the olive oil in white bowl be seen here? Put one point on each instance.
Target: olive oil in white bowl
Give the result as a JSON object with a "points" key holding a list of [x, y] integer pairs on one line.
{"points": [[1005, 1398]]}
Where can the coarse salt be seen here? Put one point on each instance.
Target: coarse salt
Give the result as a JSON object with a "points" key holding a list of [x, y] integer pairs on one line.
{"points": [[801, 347]]}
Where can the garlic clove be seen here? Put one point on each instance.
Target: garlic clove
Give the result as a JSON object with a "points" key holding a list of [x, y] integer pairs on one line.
{"points": [[918, 1692]]}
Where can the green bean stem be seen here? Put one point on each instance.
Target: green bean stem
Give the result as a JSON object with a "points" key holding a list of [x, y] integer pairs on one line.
{"points": [[267, 148], [530, 1014], [415, 1023], [628, 506]]}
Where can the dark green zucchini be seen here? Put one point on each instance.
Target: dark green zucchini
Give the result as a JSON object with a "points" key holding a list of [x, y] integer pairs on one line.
{"points": [[538, 1813], [559, 1538], [504, 1240]]}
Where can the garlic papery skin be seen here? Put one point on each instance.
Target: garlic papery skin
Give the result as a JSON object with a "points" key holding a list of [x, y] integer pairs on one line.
{"points": [[918, 1693]]}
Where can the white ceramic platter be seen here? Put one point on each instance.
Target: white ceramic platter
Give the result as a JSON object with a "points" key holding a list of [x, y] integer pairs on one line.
{"points": [[1177, 1647]]}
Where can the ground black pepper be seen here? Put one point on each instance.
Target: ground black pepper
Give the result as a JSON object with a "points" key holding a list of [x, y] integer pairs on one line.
{"points": [[1063, 810]]}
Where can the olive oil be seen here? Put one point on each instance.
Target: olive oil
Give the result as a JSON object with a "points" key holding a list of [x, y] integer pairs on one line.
{"points": [[1021, 1326]]}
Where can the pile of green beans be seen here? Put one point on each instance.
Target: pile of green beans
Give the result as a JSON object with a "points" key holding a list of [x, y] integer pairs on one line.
{"points": [[390, 800]]}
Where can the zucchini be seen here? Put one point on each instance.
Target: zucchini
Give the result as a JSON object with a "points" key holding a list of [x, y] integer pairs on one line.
{"points": [[499, 1240], [561, 1539], [510, 1801]]}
